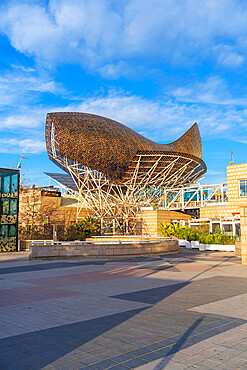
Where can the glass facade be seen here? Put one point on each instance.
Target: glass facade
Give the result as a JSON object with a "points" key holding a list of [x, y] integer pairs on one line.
{"points": [[243, 188], [9, 203]]}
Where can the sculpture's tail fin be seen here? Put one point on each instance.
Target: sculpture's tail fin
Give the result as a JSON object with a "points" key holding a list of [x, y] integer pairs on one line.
{"points": [[190, 142]]}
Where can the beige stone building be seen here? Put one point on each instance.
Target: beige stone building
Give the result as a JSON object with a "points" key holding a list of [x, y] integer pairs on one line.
{"points": [[227, 215], [243, 244], [236, 194], [148, 221], [46, 205], [42, 206]]}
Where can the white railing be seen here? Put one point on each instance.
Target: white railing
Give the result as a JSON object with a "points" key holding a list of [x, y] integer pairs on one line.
{"points": [[195, 196]]}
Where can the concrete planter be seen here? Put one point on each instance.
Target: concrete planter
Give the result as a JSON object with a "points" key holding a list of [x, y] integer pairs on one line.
{"points": [[217, 247], [184, 243], [194, 244], [202, 247], [206, 247], [104, 249]]}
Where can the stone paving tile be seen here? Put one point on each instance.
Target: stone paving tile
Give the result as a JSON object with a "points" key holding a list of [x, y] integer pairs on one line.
{"points": [[51, 265], [88, 277], [156, 364], [195, 359], [65, 363], [242, 355], [132, 312], [118, 367], [215, 291], [207, 365], [174, 366], [198, 347], [104, 364], [31, 294], [233, 363], [221, 357], [204, 359], [131, 364]]}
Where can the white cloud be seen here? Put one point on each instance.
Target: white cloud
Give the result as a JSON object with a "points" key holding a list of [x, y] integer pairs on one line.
{"points": [[22, 87], [28, 120], [107, 36], [166, 119], [213, 90], [24, 69], [12, 81], [66, 29], [243, 141], [33, 146], [161, 120], [230, 59]]}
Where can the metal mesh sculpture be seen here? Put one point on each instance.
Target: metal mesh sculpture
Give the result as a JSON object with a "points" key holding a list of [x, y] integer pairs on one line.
{"points": [[115, 170]]}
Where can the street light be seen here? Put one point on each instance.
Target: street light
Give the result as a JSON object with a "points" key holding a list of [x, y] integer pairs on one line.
{"points": [[19, 163]]}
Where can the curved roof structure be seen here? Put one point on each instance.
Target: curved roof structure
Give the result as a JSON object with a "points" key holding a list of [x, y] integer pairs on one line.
{"points": [[113, 149]]}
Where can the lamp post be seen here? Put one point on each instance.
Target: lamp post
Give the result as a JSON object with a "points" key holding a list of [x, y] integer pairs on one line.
{"points": [[19, 164]]}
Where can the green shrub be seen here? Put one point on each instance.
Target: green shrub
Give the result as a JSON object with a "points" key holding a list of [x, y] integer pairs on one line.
{"points": [[86, 228], [187, 233], [170, 229], [91, 226]]}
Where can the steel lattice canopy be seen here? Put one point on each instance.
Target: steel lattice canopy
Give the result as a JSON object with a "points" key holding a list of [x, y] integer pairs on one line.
{"points": [[114, 150], [64, 179]]}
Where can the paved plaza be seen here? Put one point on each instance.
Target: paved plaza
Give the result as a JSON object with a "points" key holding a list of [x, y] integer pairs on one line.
{"points": [[182, 311]]}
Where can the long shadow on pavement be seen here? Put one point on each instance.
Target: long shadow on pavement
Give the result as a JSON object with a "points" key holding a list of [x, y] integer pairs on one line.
{"points": [[37, 349]]}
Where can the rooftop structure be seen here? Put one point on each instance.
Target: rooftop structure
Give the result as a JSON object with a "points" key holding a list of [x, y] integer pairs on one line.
{"points": [[112, 169]]}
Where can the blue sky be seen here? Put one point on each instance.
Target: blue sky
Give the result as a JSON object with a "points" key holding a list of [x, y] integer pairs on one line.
{"points": [[157, 66]]}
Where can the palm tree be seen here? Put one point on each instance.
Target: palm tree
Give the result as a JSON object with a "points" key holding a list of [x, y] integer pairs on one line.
{"points": [[91, 226]]}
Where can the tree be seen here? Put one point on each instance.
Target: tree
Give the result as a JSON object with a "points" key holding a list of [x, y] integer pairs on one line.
{"points": [[91, 226], [38, 214], [29, 212]]}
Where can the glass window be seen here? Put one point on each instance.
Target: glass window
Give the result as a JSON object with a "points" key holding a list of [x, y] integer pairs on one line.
{"points": [[9, 184], [14, 184], [237, 229], [4, 230], [13, 207], [12, 230], [227, 229], [4, 207], [6, 183], [243, 188], [215, 226]]}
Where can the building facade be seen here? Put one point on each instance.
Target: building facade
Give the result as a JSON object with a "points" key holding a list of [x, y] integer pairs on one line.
{"points": [[236, 194], [9, 204], [148, 221], [44, 210], [227, 215]]}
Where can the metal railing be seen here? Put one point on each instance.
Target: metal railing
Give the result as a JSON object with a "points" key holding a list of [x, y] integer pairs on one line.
{"points": [[195, 196]]}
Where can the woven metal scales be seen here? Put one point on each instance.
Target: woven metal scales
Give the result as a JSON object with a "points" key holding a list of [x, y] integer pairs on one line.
{"points": [[116, 170]]}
